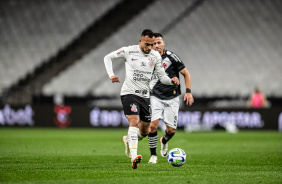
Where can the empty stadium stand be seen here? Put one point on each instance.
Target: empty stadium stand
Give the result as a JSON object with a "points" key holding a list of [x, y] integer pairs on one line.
{"points": [[88, 39], [91, 67], [32, 31], [229, 47]]}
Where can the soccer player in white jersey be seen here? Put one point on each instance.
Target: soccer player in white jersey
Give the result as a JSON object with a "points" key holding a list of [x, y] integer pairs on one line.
{"points": [[140, 62], [165, 100]]}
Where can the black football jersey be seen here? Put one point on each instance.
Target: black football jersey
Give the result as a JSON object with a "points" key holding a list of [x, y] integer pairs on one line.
{"points": [[172, 65]]}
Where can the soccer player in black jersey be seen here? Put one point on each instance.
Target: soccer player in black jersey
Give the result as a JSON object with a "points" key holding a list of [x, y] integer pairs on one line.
{"points": [[165, 100]]}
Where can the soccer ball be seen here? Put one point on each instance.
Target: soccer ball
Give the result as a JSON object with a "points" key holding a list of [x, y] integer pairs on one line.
{"points": [[176, 157]]}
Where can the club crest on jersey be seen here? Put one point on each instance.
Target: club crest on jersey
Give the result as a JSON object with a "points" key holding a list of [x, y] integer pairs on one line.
{"points": [[164, 65], [151, 62], [133, 108]]}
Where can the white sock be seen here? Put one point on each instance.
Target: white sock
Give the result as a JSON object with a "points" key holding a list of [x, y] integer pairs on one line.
{"points": [[140, 137], [132, 138]]}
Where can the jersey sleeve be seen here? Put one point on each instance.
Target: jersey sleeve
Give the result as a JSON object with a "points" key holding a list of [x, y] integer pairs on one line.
{"points": [[176, 61], [161, 73], [120, 53]]}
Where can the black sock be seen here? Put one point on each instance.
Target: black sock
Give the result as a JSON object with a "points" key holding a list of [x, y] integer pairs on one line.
{"points": [[167, 137], [153, 139]]}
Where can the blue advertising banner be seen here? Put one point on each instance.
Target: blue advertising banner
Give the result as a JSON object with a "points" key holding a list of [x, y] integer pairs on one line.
{"points": [[82, 116]]}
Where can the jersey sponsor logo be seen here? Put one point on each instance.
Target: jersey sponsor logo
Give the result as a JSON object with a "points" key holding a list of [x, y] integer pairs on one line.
{"points": [[131, 52], [141, 76], [143, 64], [134, 108], [151, 62], [142, 72], [133, 59], [144, 92], [148, 117], [120, 51], [155, 76]]}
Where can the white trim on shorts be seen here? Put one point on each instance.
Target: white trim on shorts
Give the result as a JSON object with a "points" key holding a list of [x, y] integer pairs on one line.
{"points": [[167, 110]]}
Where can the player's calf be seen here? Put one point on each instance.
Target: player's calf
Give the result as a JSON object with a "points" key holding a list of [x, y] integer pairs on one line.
{"points": [[153, 139]]}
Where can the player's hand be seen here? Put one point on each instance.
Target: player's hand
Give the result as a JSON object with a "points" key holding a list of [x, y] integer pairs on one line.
{"points": [[188, 99], [174, 80], [114, 79]]}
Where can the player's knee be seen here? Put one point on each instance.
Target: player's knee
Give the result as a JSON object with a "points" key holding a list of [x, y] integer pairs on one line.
{"points": [[133, 123], [133, 120], [153, 128], [170, 131], [144, 133]]}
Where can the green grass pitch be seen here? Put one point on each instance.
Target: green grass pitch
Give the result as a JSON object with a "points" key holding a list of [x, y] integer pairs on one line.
{"points": [[33, 155]]}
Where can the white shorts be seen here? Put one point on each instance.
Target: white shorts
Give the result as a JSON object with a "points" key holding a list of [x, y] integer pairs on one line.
{"points": [[167, 110]]}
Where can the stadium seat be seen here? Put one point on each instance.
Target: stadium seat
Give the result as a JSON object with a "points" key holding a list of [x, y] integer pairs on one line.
{"points": [[32, 31]]}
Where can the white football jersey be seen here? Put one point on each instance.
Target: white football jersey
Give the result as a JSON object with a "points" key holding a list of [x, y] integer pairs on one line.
{"points": [[139, 69]]}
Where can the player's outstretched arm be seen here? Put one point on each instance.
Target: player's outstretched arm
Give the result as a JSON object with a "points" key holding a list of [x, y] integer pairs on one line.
{"points": [[188, 98]]}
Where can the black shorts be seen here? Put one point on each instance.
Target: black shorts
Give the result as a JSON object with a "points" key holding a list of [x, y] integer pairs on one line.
{"points": [[135, 105]]}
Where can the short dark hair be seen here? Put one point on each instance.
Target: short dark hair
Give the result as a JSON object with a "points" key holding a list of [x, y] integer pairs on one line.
{"points": [[158, 35], [148, 32]]}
